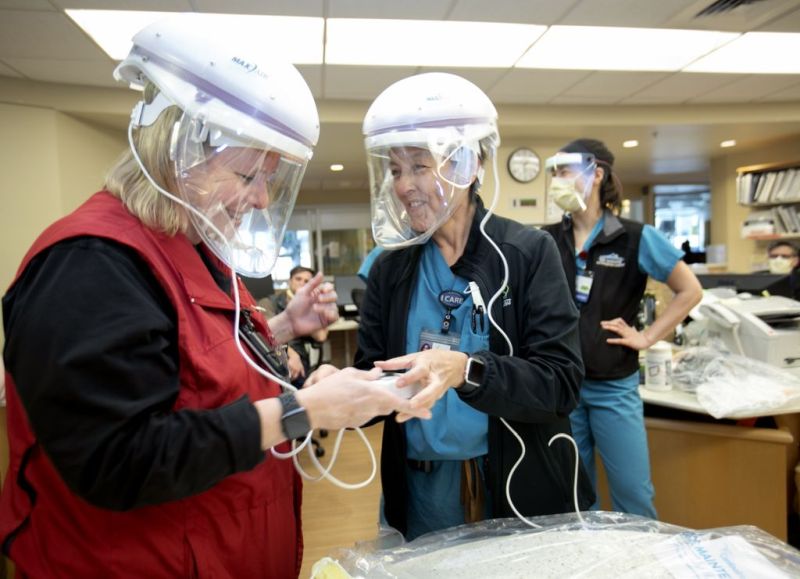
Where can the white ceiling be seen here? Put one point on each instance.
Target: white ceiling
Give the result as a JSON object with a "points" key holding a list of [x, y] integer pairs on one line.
{"points": [[38, 42]]}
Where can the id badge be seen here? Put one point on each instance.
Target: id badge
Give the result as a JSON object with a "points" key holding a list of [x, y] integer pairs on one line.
{"points": [[583, 286], [435, 340]]}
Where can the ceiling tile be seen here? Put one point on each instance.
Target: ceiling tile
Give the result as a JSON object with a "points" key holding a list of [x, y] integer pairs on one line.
{"points": [[791, 93], [148, 5], [26, 34], [534, 86], [483, 78], [406, 10], [745, 17], [789, 22], [91, 72], [529, 12], [274, 7], [26, 5], [748, 89], [583, 100], [613, 84], [312, 73], [361, 82], [680, 87], [633, 13], [8, 71]]}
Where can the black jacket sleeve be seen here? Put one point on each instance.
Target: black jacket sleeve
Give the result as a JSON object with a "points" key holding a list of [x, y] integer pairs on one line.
{"points": [[91, 343], [372, 340], [541, 381]]}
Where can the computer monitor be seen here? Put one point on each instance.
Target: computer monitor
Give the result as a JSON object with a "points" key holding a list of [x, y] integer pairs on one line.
{"points": [[345, 284], [260, 287], [754, 283]]}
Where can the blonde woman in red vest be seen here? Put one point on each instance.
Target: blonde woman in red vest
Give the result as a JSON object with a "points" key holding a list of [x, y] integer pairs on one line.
{"points": [[139, 434]]}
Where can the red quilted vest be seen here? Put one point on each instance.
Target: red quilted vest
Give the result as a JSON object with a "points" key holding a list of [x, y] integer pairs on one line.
{"points": [[247, 526]]}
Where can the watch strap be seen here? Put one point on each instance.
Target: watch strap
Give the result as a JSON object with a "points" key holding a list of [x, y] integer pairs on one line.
{"points": [[294, 419]]}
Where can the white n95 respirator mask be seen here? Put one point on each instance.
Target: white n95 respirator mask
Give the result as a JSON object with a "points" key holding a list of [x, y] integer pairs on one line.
{"points": [[781, 265], [569, 179], [564, 194]]}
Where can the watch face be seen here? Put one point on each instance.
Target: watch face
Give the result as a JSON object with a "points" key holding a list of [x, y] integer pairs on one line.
{"points": [[475, 371], [523, 165]]}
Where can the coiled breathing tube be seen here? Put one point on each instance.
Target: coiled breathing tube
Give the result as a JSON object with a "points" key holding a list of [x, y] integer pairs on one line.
{"points": [[520, 516]]}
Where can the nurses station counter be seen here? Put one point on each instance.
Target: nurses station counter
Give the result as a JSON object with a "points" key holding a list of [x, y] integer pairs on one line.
{"points": [[714, 473]]}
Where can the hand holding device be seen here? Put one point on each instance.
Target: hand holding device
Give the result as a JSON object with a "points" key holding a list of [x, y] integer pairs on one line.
{"points": [[389, 382]]}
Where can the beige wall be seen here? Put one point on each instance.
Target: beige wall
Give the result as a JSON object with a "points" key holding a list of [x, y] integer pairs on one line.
{"points": [[86, 152], [49, 163], [31, 187], [511, 190], [727, 216]]}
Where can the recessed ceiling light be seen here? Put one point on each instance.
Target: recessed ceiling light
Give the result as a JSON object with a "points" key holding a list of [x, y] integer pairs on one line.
{"points": [[299, 38], [337, 167], [386, 42], [728, 143], [620, 48], [630, 144]]}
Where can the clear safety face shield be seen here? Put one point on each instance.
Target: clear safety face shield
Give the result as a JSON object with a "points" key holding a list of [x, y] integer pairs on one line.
{"points": [[418, 179], [242, 188], [569, 178]]}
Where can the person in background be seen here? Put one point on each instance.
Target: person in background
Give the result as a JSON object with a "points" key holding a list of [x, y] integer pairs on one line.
{"points": [[299, 360], [138, 432], [783, 259], [608, 260], [425, 312]]}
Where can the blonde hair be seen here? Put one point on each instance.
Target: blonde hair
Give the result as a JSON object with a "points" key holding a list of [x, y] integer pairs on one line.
{"points": [[126, 180]]}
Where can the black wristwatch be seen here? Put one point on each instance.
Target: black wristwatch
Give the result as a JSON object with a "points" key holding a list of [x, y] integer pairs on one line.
{"points": [[294, 420], [474, 374]]}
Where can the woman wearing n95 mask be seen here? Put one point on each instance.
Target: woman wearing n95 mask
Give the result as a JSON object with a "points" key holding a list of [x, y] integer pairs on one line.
{"points": [[425, 311], [138, 432], [784, 259], [607, 260]]}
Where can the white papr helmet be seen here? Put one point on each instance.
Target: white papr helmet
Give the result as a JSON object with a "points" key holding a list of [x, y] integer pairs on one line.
{"points": [[450, 122], [246, 111]]}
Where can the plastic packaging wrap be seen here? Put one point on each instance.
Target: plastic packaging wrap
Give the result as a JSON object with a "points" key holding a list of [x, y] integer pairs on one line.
{"points": [[732, 386], [605, 545]]}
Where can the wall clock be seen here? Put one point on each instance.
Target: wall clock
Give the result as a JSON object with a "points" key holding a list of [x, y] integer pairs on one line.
{"points": [[523, 165]]}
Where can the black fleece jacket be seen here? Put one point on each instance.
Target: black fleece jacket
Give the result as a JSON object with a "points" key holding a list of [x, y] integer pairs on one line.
{"points": [[534, 390]]}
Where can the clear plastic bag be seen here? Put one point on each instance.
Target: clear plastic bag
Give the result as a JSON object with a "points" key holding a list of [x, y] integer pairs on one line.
{"points": [[732, 386], [605, 545]]}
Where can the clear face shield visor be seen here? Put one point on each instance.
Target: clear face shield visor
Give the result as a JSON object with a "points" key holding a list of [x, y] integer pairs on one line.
{"points": [[569, 178], [243, 185], [418, 178]]}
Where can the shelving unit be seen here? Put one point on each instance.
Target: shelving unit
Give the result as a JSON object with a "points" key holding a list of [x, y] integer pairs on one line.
{"points": [[772, 191]]}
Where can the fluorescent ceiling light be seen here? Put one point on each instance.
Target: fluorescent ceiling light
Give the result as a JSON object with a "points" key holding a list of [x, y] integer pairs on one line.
{"points": [[630, 144], [427, 42], [617, 48], [754, 52], [112, 30], [337, 167], [728, 143], [298, 38]]}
